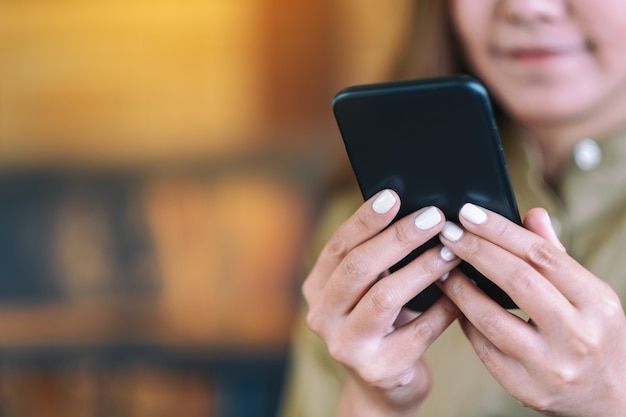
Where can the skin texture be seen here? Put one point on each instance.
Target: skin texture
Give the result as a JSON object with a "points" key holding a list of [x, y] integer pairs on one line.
{"points": [[557, 66], [534, 51], [357, 308], [570, 359], [559, 69]]}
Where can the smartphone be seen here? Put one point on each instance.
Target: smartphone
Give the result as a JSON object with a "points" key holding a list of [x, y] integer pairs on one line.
{"points": [[434, 142]]}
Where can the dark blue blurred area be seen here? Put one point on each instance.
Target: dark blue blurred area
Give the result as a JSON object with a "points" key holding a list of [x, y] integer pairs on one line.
{"points": [[31, 207], [75, 239]]}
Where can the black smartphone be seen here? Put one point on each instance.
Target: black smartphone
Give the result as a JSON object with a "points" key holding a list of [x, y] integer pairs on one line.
{"points": [[434, 142]]}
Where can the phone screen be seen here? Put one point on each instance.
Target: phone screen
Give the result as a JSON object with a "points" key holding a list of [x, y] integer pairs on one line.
{"points": [[434, 142]]}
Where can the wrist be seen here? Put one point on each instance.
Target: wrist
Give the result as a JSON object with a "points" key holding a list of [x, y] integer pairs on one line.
{"points": [[361, 401]]}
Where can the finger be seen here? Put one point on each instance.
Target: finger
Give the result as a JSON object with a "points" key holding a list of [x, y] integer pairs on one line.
{"points": [[415, 337], [538, 221], [372, 217], [534, 294], [571, 279], [507, 332], [379, 308], [505, 369], [362, 267]]}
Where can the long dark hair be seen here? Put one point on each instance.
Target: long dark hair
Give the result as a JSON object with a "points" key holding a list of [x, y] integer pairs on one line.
{"points": [[431, 48]]}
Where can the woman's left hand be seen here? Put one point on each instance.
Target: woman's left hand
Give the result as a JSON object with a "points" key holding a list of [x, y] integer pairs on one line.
{"points": [[569, 359]]}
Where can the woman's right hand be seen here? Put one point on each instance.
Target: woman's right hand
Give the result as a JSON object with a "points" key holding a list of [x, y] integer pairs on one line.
{"points": [[356, 306]]}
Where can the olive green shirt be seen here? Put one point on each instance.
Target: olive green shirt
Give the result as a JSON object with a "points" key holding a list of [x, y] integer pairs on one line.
{"points": [[588, 208]]}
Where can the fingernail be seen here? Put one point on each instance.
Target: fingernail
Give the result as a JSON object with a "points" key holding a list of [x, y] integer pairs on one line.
{"points": [[428, 218], [446, 254], [384, 202], [473, 213], [444, 277], [452, 232]]}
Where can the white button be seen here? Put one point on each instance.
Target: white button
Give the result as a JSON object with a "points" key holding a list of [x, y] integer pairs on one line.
{"points": [[587, 154]]}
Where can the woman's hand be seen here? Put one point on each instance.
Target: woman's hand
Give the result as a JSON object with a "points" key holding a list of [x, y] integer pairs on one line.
{"points": [[356, 306], [569, 359]]}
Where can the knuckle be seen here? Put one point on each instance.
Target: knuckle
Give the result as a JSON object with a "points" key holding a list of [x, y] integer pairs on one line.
{"points": [[486, 356], [363, 220], [384, 300], [428, 268], [543, 256], [450, 310], [456, 289], [314, 324], [338, 351], [501, 230], [585, 344], [315, 321], [524, 279], [565, 376], [373, 375], [346, 352], [542, 403], [424, 333], [492, 322], [355, 265], [611, 309], [489, 357], [401, 235], [473, 248], [337, 247], [307, 291]]}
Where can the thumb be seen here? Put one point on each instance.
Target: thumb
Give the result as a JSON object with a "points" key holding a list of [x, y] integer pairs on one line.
{"points": [[537, 220]]}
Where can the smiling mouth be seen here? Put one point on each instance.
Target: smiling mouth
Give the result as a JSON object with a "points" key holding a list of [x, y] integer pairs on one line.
{"points": [[538, 53], [532, 54]]}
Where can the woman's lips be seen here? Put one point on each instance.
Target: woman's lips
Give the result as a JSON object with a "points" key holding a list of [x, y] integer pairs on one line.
{"points": [[531, 54], [536, 53]]}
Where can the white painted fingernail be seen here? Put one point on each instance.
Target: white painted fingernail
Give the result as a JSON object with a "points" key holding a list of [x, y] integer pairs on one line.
{"points": [[452, 232], [444, 277], [428, 218], [384, 202], [473, 213], [446, 254]]}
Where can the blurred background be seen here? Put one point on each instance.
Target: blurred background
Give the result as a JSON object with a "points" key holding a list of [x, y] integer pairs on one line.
{"points": [[162, 166]]}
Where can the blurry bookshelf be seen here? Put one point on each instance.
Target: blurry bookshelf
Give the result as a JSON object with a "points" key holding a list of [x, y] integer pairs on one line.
{"points": [[149, 292], [155, 195], [161, 164]]}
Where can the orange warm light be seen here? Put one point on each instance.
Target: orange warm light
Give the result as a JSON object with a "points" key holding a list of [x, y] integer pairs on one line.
{"points": [[116, 80]]}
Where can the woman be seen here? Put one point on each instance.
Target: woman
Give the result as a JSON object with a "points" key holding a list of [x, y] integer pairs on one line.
{"points": [[557, 69]]}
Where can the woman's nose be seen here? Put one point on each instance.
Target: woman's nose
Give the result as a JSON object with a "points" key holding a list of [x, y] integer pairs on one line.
{"points": [[532, 11]]}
